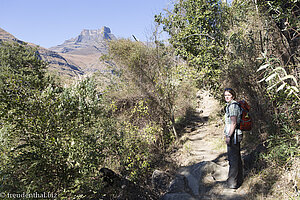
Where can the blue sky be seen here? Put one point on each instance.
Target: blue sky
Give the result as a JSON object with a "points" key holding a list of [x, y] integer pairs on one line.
{"points": [[50, 22]]}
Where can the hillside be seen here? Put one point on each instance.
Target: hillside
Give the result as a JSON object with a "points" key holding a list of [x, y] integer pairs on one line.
{"points": [[76, 56], [153, 127], [57, 63], [5, 36]]}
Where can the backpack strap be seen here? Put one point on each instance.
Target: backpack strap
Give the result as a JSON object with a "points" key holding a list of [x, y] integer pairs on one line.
{"points": [[227, 107]]}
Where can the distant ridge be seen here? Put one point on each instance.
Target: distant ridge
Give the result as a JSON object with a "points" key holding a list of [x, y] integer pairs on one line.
{"points": [[76, 56], [6, 36], [87, 42], [56, 62]]}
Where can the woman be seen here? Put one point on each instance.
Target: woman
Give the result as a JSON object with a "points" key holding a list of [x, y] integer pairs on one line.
{"points": [[233, 138]]}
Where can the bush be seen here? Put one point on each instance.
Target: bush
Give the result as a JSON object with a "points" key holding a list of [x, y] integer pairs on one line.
{"points": [[53, 139], [62, 142], [153, 74]]}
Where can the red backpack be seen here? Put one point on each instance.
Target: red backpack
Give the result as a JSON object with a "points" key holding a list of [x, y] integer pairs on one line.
{"points": [[246, 121]]}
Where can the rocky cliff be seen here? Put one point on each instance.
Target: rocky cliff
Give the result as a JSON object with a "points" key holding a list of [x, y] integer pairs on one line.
{"points": [[87, 43]]}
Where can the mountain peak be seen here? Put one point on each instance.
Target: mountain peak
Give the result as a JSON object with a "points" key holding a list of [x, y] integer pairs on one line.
{"points": [[103, 33], [104, 30], [87, 42]]}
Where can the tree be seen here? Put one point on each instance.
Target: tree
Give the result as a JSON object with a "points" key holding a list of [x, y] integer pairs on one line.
{"points": [[197, 29], [21, 75]]}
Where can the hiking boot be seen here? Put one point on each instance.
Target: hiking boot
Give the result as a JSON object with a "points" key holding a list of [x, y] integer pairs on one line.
{"points": [[233, 186]]}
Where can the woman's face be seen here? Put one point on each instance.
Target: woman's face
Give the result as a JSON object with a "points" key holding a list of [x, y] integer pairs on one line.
{"points": [[228, 96]]}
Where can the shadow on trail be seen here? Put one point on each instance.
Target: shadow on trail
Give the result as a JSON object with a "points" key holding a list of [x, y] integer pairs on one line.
{"points": [[252, 166], [202, 180], [220, 158], [195, 139], [207, 180], [190, 122]]}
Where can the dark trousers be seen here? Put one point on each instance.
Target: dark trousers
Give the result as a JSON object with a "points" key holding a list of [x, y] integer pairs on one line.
{"points": [[235, 174]]}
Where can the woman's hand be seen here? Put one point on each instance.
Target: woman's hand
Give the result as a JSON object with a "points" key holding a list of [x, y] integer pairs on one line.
{"points": [[227, 140]]}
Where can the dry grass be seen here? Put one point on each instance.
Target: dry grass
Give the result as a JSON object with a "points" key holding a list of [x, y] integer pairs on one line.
{"points": [[274, 183]]}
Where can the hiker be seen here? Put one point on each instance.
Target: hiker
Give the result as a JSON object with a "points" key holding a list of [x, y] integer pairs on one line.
{"points": [[233, 138]]}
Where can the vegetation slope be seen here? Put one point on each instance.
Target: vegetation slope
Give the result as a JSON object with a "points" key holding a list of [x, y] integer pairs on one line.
{"points": [[63, 139]]}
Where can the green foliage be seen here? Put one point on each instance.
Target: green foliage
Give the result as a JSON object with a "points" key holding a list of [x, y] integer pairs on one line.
{"points": [[152, 74], [223, 43], [53, 139], [136, 154], [268, 59], [283, 12], [197, 30], [277, 76], [21, 75], [65, 133], [283, 147]]}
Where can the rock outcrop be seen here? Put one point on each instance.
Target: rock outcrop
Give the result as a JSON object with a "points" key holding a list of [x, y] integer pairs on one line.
{"points": [[86, 49], [191, 182], [115, 186], [87, 43]]}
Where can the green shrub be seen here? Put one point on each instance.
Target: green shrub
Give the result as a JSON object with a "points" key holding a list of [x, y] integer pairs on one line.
{"points": [[53, 139], [64, 137], [153, 73]]}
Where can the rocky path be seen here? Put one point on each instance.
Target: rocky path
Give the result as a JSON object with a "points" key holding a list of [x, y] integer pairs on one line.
{"points": [[202, 158]]}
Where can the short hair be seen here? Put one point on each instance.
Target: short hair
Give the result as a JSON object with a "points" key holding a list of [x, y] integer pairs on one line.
{"points": [[231, 91]]}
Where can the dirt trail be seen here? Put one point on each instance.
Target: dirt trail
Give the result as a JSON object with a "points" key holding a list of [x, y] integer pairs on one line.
{"points": [[203, 145]]}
